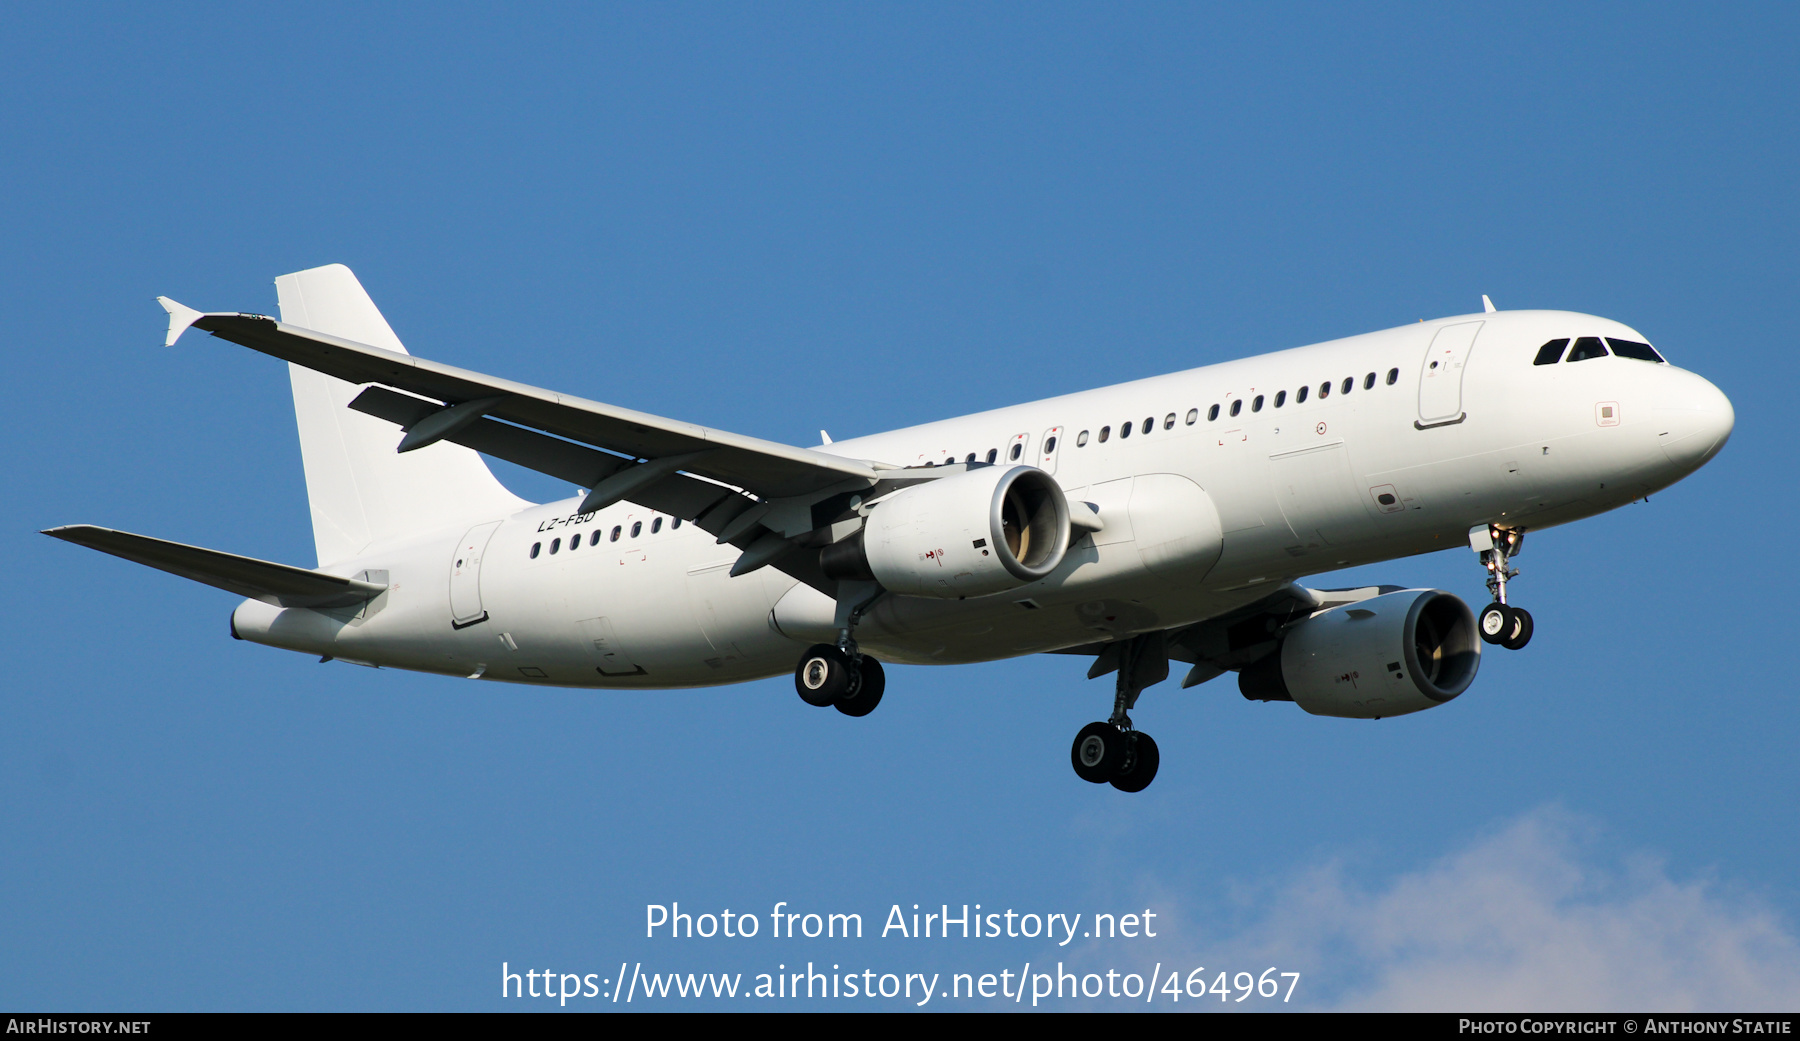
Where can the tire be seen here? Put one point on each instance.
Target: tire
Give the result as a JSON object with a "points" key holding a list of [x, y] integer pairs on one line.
{"points": [[1494, 623], [1520, 633], [1097, 752], [1139, 767], [862, 700], [824, 675]]}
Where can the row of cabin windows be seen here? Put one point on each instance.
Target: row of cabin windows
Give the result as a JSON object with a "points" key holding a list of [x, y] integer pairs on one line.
{"points": [[1591, 347], [993, 454], [1237, 406], [593, 537], [1549, 354]]}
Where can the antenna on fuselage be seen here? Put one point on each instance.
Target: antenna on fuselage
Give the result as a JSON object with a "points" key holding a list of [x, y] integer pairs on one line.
{"points": [[1487, 305]]}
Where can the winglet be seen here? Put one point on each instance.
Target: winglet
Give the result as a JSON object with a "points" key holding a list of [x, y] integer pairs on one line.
{"points": [[1487, 305], [180, 317]]}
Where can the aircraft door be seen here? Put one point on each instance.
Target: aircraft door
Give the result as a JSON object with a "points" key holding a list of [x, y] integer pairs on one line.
{"points": [[465, 576], [1441, 377], [1052, 448], [1017, 451]]}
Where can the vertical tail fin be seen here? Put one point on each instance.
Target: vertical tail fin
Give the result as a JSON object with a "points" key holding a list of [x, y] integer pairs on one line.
{"points": [[360, 489]]}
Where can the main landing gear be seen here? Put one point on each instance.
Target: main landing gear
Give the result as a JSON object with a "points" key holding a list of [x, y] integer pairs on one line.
{"points": [[841, 675], [1112, 752], [1500, 622], [828, 675]]}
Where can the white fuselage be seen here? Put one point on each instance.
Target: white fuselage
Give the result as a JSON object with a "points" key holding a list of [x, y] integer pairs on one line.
{"points": [[1201, 515]]}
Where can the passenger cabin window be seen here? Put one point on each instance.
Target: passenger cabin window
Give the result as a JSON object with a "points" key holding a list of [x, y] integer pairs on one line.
{"points": [[555, 544], [993, 454], [1256, 406], [1212, 413], [1393, 377], [1016, 449], [1633, 349], [676, 523], [1280, 398], [1587, 347], [1349, 384], [1169, 421], [1125, 428], [655, 525], [1105, 432], [1300, 395], [1324, 390], [1081, 439], [969, 458], [615, 533], [535, 546], [1049, 445], [1550, 353], [1369, 382], [594, 538], [1193, 416], [574, 543], [1237, 406], [636, 528]]}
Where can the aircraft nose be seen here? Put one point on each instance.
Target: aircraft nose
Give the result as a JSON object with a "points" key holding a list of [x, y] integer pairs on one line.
{"points": [[1693, 421]]}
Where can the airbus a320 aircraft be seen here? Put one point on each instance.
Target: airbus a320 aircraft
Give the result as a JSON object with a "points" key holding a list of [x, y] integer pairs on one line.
{"points": [[1167, 519]]}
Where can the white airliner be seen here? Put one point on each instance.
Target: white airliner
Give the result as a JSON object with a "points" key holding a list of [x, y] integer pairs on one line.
{"points": [[1163, 519]]}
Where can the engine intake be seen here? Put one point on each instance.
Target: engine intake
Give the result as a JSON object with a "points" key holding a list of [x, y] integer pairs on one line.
{"points": [[1385, 656], [984, 531]]}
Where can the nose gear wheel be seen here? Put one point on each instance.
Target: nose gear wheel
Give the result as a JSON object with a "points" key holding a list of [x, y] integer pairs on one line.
{"points": [[1500, 622]]}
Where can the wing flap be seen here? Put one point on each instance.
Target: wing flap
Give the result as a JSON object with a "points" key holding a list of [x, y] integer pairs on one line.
{"points": [[711, 506], [677, 495], [280, 584]]}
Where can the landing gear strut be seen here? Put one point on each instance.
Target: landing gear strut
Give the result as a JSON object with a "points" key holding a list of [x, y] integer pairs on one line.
{"points": [[1111, 751], [1500, 622], [841, 675]]}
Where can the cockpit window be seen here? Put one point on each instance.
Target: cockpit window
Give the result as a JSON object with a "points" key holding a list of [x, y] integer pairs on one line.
{"points": [[1633, 349], [1587, 347], [1551, 353]]}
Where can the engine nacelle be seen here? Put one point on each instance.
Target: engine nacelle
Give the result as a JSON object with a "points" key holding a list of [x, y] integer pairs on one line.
{"points": [[1386, 656], [984, 531]]}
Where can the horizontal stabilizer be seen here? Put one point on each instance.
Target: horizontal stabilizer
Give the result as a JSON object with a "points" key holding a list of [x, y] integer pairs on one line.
{"points": [[278, 584]]}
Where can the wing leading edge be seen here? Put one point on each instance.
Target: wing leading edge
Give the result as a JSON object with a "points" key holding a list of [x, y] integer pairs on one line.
{"points": [[769, 469]]}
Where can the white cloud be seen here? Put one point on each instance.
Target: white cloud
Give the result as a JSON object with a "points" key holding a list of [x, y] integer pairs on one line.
{"points": [[1526, 919]]}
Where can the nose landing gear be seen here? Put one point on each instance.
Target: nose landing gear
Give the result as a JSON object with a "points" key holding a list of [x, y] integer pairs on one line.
{"points": [[1111, 751], [1500, 623]]}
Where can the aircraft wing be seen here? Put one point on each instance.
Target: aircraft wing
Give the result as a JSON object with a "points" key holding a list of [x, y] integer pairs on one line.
{"points": [[278, 584], [1230, 641], [768, 469]]}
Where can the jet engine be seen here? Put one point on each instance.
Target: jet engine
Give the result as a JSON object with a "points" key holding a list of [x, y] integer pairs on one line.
{"points": [[1385, 656], [983, 531]]}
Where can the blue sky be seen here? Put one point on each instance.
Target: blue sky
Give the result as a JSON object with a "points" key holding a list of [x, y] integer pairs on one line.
{"points": [[774, 219]]}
